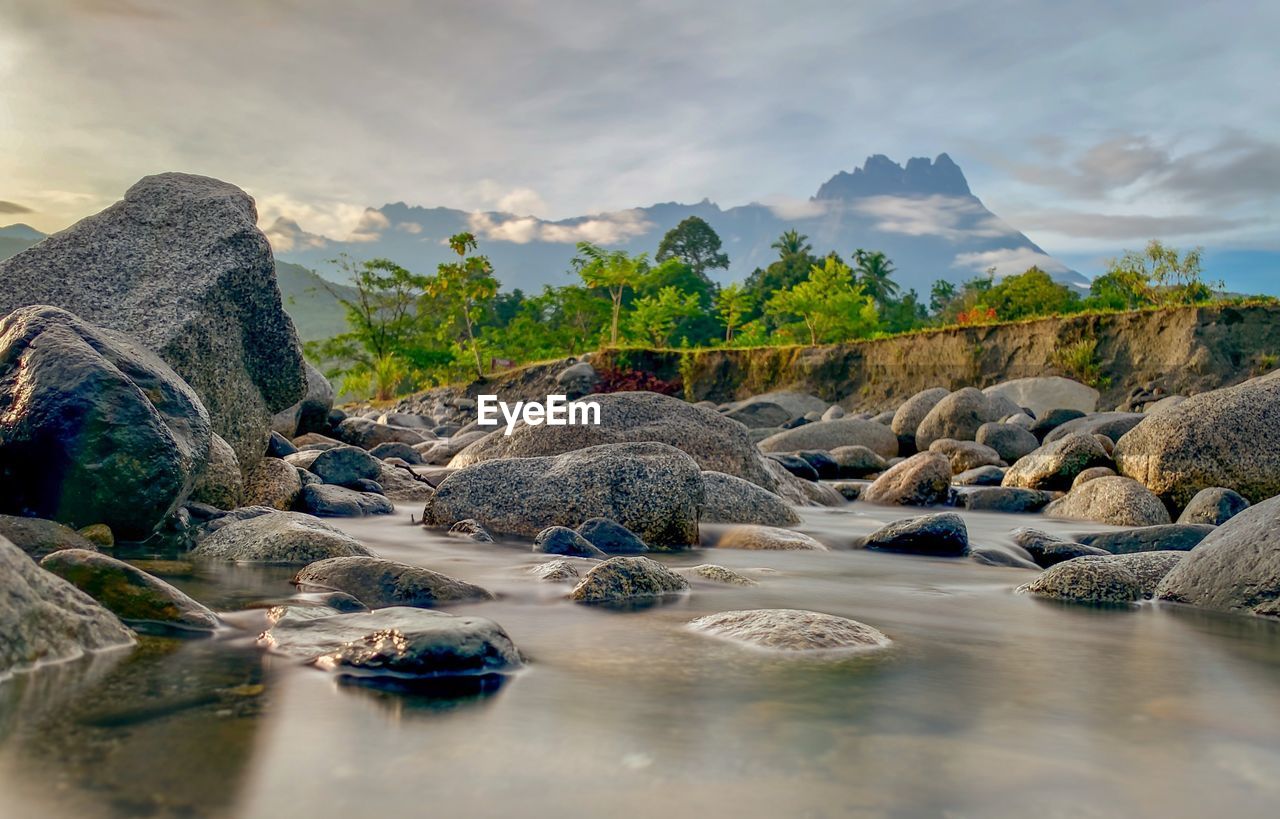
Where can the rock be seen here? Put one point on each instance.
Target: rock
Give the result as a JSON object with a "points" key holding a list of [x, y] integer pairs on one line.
{"points": [[382, 583], [44, 619], [367, 434], [1118, 501], [821, 461], [921, 480], [274, 483], [1004, 499], [1052, 420], [1181, 537], [828, 435], [98, 534], [443, 452], [1093, 580], [940, 535], [791, 630], [1010, 442], [1048, 550], [611, 538], [287, 538], [279, 446], [849, 490], [181, 266], [577, 380], [982, 476], [96, 428], [624, 579], [144, 602], [1091, 473], [796, 465], [406, 420], [220, 485], [339, 502], [397, 644], [403, 485], [317, 441], [470, 529], [554, 571], [719, 574], [857, 461], [311, 414], [1214, 505], [733, 500], [1150, 568], [992, 556], [907, 418], [38, 537], [767, 538], [1223, 438], [561, 540], [653, 489], [807, 493], [366, 485], [1237, 567], [965, 455], [340, 466], [713, 441], [796, 404], [1166, 403], [1046, 393], [395, 449], [959, 416], [1110, 425], [1055, 465], [833, 412]]}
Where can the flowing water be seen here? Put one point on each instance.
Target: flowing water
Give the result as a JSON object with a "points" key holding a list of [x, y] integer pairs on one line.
{"points": [[988, 704]]}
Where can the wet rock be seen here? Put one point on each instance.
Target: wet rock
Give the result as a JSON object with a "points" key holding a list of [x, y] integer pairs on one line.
{"points": [[759, 414], [340, 466], [791, 630], [560, 540], [719, 574], [279, 446], [1118, 501], [1110, 425], [555, 571], [652, 489], [921, 480], [1055, 465], [1235, 568], [795, 465], [402, 485], [1010, 499], [1091, 473], [395, 449], [940, 535], [849, 490], [622, 579], [733, 500], [288, 538], [220, 484], [768, 538], [1091, 580], [1046, 393], [274, 483], [821, 461], [614, 539], [38, 537], [992, 556], [828, 435], [1053, 419], [857, 461], [366, 485], [1150, 568], [98, 534], [43, 618], [470, 529], [381, 583], [1181, 537], [1049, 550], [339, 502], [1009, 441], [311, 414], [907, 418], [97, 429], [958, 416], [143, 601], [982, 476], [965, 455], [1214, 505]]}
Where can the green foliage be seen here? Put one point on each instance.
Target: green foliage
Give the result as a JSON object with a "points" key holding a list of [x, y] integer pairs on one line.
{"points": [[653, 318], [1079, 360], [874, 274], [612, 270], [463, 290], [795, 257], [828, 304], [733, 303], [1156, 275], [1033, 293], [695, 243]]}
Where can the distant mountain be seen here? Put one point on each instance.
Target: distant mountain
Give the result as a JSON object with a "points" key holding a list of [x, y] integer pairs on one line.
{"points": [[922, 215], [16, 238]]}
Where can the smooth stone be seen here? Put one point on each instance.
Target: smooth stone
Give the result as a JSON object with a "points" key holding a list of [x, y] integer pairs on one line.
{"points": [[719, 574], [1004, 499], [1181, 537], [857, 461], [965, 455], [1055, 465], [1118, 501], [1009, 441], [622, 579], [561, 540], [470, 529], [921, 480], [796, 465], [555, 571], [396, 449], [38, 537], [1089, 580], [613, 538], [828, 435], [381, 583], [340, 466], [1092, 473], [982, 476], [729, 499], [959, 415], [767, 538], [1214, 505], [339, 502], [791, 631], [286, 538], [1048, 550], [939, 535], [908, 416]]}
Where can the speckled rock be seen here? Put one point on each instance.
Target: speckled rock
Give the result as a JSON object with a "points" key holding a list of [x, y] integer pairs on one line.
{"points": [[340, 466], [857, 461], [1049, 550], [554, 571], [1180, 537], [611, 537], [940, 535], [732, 500], [623, 579], [767, 538], [1214, 505], [1010, 441], [381, 583], [561, 540], [1118, 501], [907, 418], [221, 484], [1109, 425], [470, 529], [339, 502], [921, 480], [719, 574], [288, 538], [1093, 580], [791, 630], [1091, 473], [965, 455], [272, 482], [958, 416], [1150, 567], [1055, 465], [829, 435], [38, 537]]}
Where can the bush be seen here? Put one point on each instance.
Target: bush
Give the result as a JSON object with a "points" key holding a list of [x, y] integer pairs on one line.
{"points": [[628, 380]]}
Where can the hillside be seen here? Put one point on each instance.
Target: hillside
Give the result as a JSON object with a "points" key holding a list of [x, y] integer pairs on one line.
{"points": [[312, 302]]}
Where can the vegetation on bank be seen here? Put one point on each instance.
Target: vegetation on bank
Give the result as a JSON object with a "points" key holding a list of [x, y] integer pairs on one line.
{"points": [[407, 331]]}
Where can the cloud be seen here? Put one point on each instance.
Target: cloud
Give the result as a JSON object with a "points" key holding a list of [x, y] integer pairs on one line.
{"points": [[331, 221], [523, 202], [370, 227], [951, 217], [1009, 261], [286, 235], [788, 208], [13, 207], [604, 229], [1085, 225], [1109, 165], [412, 228]]}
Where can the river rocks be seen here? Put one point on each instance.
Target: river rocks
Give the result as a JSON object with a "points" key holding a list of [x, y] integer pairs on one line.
{"points": [[554, 571], [1016, 558], [1214, 505], [1004, 499], [1009, 441], [965, 455], [181, 266], [828, 435], [733, 500], [395, 449], [921, 480], [833, 412], [1055, 465], [627, 579], [38, 537], [311, 414], [1092, 580], [940, 535], [1236, 568], [143, 601], [560, 540], [97, 429], [822, 463], [768, 538], [1118, 501], [791, 630], [286, 538], [341, 466], [403, 485], [719, 574], [653, 489], [795, 465], [1150, 568], [339, 502], [381, 583], [367, 434], [1180, 537], [577, 380], [1223, 438], [797, 404], [759, 414], [43, 618], [609, 537], [1110, 425], [471, 530], [857, 461], [1092, 473], [1049, 550], [1045, 393], [958, 416], [1052, 420], [982, 476], [272, 482], [220, 485], [907, 418]]}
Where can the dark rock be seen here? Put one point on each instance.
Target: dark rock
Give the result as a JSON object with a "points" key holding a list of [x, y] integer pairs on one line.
{"points": [[992, 556], [577, 380], [340, 466], [381, 583], [622, 579], [828, 435], [1043, 394], [921, 480], [940, 535], [757, 414], [822, 463], [795, 465], [38, 537], [1180, 537], [366, 485], [1053, 419], [1214, 505], [274, 483], [339, 502], [857, 462], [1048, 550], [470, 530], [614, 539], [287, 538], [367, 434], [395, 449], [1004, 499], [965, 455], [279, 446], [1009, 441], [560, 540], [982, 476], [311, 414], [1110, 425]]}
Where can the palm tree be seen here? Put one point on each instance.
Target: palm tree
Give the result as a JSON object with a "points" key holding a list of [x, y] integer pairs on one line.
{"points": [[792, 243], [875, 273]]}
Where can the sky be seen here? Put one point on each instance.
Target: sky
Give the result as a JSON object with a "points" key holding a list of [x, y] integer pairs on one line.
{"points": [[1090, 126]]}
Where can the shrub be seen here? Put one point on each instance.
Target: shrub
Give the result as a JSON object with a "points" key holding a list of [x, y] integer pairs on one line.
{"points": [[628, 380]]}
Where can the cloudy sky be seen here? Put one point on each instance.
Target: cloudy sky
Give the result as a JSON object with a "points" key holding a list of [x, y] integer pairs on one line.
{"points": [[1091, 126]]}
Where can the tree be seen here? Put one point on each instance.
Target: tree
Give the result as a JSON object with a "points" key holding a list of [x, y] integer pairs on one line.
{"points": [[465, 288], [792, 267], [828, 303], [653, 318], [1162, 275], [874, 274], [906, 313], [941, 295], [613, 270], [792, 243], [732, 303], [695, 243], [1033, 293]]}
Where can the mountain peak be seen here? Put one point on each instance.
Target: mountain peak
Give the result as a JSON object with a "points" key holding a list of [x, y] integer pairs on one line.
{"points": [[18, 230], [881, 176]]}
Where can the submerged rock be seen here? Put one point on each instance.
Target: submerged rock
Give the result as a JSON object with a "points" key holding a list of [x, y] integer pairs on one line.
{"points": [[555, 571], [1214, 505], [768, 538], [1004, 499], [1118, 501], [381, 583], [791, 630], [561, 540], [719, 574], [940, 535], [470, 529], [1150, 567], [623, 579], [921, 480], [286, 538], [1094, 580], [733, 500], [613, 538]]}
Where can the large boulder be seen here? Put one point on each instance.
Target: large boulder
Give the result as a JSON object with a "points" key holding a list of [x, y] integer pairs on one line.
{"points": [[330, 501], [829, 435], [733, 500], [383, 583], [367, 433], [959, 415], [285, 538], [1056, 465], [43, 618], [791, 630], [38, 537], [713, 441], [272, 482], [1228, 438], [653, 489], [94, 428], [907, 418], [1236, 568], [1214, 505], [923, 479], [1045, 393], [1117, 500], [1169, 537], [180, 265], [1112, 425], [340, 465], [311, 414]]}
